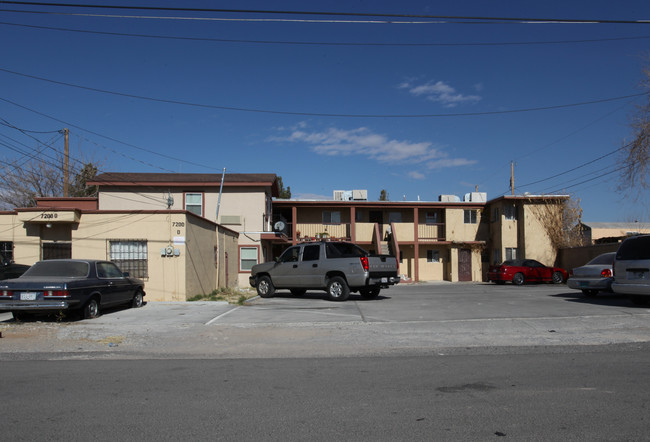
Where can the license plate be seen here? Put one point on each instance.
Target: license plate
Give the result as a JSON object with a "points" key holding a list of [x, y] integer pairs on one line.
{"points": [[28, 296], [584, 284], [384, 279], [637, 274]]}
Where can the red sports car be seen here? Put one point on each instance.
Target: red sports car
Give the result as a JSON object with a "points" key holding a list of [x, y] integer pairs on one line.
{"points": [[520, 271]]}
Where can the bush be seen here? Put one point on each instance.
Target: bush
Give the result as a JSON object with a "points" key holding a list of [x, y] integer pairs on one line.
{"points": [[230, 295]]}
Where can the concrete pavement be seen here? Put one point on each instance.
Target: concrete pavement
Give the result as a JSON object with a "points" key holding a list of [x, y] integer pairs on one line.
{"points": [[407, 319]]}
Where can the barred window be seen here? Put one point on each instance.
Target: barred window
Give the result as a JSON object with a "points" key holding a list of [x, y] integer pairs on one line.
{"points": [[130, 256], [7, 251]]}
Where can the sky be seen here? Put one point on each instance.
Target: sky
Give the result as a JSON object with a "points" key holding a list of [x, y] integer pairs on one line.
{"points": [[440, 99]]}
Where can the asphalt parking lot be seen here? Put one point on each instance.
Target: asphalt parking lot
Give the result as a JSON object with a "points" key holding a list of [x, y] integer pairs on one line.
{"points": [[430, 317]]}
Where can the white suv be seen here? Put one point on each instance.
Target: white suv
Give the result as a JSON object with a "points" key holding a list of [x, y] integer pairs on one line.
{"points": [[632, 269]]}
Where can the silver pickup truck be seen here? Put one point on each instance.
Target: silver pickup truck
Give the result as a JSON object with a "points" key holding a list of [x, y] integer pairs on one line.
{"points": [[339, 268]]}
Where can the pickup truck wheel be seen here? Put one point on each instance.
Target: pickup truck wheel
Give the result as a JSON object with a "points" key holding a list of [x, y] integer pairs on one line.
{"points": [[370, 293], [337, 289], [265, 287], [298, 292]]}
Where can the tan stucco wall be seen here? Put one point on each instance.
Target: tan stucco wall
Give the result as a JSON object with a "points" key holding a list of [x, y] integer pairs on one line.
{"points": [[251, 204], [171, 278], [433, 271], [457, 230], [535, 238]]}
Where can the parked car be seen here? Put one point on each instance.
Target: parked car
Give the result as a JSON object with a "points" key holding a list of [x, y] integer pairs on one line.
{"points": [[595, 276], [336, 267], [9, 270], [85, 286], [520, 271], [632, 269]]}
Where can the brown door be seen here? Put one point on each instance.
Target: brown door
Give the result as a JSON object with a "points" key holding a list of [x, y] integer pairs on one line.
{"points": [[464, 265]]}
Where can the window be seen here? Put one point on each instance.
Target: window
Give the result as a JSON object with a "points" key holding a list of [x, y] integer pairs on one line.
{"points": [[511, 253], [510, 213], [431, 218], [311, 253], [130, 256], [394, 217], [470, 216], [247, 258], [194, 203], [343, 250], [433, 255], [7, 251], [108, 270], [331, 217]]}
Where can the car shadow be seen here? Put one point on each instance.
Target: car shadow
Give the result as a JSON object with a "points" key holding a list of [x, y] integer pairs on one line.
{"points": [[322, 296], [602, 298], [68, 316]]}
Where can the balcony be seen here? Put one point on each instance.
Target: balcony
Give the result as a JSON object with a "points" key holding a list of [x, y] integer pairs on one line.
{"points": [[310, 232], [404, 232]]}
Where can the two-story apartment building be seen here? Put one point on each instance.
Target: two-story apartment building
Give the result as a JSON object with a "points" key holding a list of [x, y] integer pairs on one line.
{"points": [[450, 240], [187, 234]]}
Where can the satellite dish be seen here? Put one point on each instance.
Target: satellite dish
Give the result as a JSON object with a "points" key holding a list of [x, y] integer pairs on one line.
{"points": [[279, 226]]}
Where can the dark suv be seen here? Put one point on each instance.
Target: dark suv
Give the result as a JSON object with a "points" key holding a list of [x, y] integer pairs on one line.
{"points": [[632, 269]]}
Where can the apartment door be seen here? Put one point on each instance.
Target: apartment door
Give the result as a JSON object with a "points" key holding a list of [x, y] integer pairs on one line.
{"points": [[464, 265]]}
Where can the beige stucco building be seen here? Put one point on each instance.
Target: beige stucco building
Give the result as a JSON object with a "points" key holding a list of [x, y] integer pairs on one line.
{"points": [[448, 240], [176, 253], [187, 234]]}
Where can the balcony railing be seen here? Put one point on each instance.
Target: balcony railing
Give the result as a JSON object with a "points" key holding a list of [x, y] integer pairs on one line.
{"points": [[310, 232], [365, 231]]}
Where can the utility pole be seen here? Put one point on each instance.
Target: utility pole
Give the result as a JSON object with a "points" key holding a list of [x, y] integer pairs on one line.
{"points": [[66, 162], [512, 178], [223, 175]]}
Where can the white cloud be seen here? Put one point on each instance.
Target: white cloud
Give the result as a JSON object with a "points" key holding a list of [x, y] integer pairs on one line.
{"points": [[440, 92], [416, 175], [362, 141], [449, 162]]}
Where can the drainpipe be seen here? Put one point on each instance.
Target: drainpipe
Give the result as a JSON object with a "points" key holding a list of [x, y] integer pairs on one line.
{"points": [[223, 174]]}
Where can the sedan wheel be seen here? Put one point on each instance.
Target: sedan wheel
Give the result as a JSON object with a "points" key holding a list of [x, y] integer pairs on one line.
{"points": [[337, 289], [518, 279], [558, 278], [91, 309], [138, 300]]}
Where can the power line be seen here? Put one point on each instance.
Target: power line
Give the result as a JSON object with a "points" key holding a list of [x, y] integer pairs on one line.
{"points": [[326, 43], [318, 114], [107, 137], [328, 13]]}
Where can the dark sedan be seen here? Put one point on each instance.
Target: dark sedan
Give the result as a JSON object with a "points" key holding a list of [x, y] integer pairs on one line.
{"points": [[84, 286], [520, 271]]}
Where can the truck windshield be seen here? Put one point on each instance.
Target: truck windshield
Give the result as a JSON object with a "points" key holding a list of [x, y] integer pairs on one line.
{"points": [[65, 269], [343, 250]]}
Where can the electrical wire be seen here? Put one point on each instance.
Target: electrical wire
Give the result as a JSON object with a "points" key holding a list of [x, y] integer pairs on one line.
{"points": [[318, 114], [326, 13], [326, 43]]}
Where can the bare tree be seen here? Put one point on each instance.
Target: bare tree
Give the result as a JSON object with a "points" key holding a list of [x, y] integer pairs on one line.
{"points": [[636, 154], [560, 218], [21, 184]]}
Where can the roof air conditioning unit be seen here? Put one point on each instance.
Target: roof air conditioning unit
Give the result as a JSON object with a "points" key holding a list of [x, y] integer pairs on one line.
{"points": [[360, 195]]}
